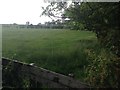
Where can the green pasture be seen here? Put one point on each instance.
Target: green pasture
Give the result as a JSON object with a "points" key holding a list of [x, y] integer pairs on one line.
{"points": [[59, 50]]}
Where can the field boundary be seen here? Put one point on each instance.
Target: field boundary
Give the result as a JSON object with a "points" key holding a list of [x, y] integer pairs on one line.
{"points": [[45, 77]]}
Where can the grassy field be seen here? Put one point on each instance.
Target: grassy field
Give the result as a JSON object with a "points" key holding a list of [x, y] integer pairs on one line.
{"points": [[62, 51]]}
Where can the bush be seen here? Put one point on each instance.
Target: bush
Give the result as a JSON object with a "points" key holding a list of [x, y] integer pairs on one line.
{"points": [[101, 72]]}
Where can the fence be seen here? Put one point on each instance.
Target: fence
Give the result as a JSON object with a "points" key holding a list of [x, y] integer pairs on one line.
{"points": [[40, 77]]}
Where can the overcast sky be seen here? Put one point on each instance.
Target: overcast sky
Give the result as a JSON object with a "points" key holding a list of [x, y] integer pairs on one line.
{"points": [[21, 11]]}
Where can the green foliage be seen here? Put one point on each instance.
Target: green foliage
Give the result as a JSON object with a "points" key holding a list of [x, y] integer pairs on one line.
{"points": [[102, 18], [112, 41], [101, 72]]}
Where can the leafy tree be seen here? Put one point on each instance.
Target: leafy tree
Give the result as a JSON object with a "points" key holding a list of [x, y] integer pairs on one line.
{"points": [[101, 18]]}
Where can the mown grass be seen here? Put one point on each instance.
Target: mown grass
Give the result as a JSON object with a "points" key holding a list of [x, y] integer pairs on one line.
{"points": [[62, 51]]}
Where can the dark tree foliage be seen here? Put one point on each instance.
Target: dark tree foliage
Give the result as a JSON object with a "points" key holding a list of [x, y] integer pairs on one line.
{"points": [[104, 21], [101, 18]]}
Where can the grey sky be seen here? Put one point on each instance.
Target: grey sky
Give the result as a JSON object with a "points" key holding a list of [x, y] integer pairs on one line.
{"points": [[21, 11]]}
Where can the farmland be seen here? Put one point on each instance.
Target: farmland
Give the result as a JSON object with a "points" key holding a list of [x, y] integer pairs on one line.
{"points": [[59, 50]]}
